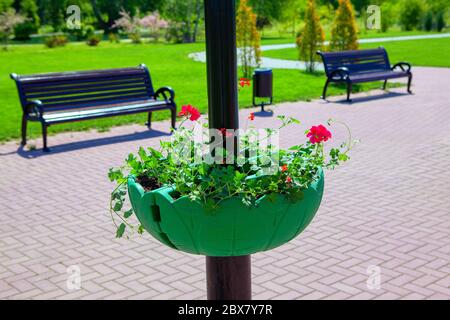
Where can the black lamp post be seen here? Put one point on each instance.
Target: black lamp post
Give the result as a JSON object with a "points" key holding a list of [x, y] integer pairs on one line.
{"points": [[228, 278]]}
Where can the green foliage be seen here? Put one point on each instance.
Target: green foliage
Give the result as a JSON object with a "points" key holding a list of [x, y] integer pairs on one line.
{"points": [[185, 17], [246, 176], [311, 37], [344, 33], [389, 14], [5, 5], [411, 14], [440, 21], [248, 38], [428, 21], [56, 41]]}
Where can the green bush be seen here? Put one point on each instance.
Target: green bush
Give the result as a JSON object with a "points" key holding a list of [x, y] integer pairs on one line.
{"points": [[113, 38], [56, 41], [411, 14], [388, 15], [174, 33], [428, 21], [440, 21], [23, 31]]}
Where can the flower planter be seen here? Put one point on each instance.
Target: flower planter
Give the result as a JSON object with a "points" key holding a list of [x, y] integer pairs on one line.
{"points": [[231, 230]]}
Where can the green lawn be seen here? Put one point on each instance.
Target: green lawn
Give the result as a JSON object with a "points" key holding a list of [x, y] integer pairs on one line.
{"points": [[169, 65], [426, 52]]}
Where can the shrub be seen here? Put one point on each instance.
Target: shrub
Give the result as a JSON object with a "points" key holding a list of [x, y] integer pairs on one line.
{"points": [[388, 15], [428, 21], [56, 41], [23, 31], [93, 41], [174, 32], [344, 33], [83, 33], [113, 38], [440, 21], [411, 14], [248, 38], [311, 37]]}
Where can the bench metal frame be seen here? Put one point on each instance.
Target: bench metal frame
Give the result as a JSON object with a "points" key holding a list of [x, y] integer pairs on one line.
{"points": [[360, 66], [55, 98]]}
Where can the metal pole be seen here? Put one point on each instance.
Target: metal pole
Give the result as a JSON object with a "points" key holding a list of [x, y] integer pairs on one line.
{"points": [[228, 278]]}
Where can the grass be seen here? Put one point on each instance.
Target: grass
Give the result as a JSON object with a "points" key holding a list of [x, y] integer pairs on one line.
{"points": [[169, 65], [426, 52]]}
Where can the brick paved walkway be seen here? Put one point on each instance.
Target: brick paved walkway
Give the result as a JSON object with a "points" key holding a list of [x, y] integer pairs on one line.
{"points": [[389, 207]]}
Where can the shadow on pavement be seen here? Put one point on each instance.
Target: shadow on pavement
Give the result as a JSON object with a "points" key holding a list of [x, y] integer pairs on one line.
{"points": [[74, 146]]}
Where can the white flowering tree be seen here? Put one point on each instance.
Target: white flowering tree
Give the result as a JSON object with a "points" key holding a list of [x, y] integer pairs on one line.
{"points": [[8, 21]]}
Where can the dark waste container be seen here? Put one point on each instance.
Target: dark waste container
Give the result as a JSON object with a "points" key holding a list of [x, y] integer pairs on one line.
{"points": [[263, 87]]}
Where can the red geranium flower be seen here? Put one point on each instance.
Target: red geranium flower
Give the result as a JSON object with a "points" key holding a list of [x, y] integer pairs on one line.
{"points": [[284, 168], [251, 117], [318, 134], [244, 82], [288, 180], [225, 133], [190, 112]]}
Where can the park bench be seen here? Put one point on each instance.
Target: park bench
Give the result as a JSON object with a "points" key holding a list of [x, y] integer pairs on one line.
{"points": [[55, 98], [359, 66]]}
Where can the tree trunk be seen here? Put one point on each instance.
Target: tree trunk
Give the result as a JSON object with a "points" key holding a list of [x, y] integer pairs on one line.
{"points": [[197, 20]]}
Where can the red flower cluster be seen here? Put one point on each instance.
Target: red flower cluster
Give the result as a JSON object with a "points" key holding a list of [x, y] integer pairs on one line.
{"points": [[284, 168], [244, 82], [190, 112], [251, 117], [319, 134]]}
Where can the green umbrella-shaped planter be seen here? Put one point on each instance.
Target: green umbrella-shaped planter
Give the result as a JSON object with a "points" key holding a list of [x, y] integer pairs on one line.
{"points": [[233, 229]]}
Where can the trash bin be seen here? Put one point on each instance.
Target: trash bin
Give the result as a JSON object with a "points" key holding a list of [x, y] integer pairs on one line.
{"points": [[263, 87]]}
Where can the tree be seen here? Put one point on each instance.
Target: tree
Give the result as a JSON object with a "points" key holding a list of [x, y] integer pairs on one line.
{"points": [[5, 5], [411, 14], [248, 38], [292, 13], [344, 31], [185, 17], [29, 9], [428, 21], [108, 11], [8, 21], [311, 37], [388, 15], [268, 10], [440, 21]]}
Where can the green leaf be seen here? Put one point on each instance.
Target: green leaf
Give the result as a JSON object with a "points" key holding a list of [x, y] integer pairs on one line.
{"points": [[141, 230], [128, 214], [120, 231]]}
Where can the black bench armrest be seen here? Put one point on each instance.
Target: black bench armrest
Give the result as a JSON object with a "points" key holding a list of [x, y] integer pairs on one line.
{"points": [[402, 66], [34, 109], [164, 91], [341, 72]]}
